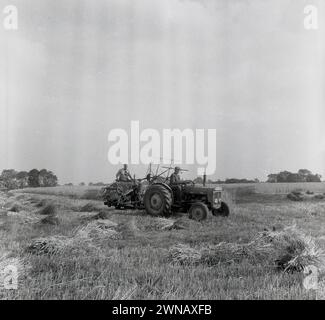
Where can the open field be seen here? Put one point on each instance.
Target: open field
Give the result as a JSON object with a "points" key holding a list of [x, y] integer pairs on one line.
{"points": [[276, 188], [86, 192], [69, 246], [283, 188], [73, 192]]}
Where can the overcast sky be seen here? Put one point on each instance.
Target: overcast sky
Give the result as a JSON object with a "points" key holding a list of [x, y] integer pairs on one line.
{"points": [[75, 69]]}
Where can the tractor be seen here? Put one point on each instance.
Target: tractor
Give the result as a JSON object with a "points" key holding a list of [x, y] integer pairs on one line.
{"points": [[154, 194]]}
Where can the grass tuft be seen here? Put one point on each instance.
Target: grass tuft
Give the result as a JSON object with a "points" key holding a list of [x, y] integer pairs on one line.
{"points": [[295, 196], [15, 208], [42, 203], [49, 209], [89, 207], [98, 230], [51, 220]]}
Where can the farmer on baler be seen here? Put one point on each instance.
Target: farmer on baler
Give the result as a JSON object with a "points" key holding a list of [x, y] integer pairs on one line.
{"points": [[123, 174]]}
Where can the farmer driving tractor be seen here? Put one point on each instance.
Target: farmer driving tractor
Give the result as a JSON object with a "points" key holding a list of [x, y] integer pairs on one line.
{"points": [[175, 182], [175, 177], [162, 194]]}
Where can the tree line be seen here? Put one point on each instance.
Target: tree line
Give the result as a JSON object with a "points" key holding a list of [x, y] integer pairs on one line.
{"points": [[199, 180], [303, 175], [12, 179]]}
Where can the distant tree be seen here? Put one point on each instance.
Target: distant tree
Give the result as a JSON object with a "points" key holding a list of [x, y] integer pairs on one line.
{"points": [[303, 175], [295, 177], [283, 176], [9, 178], [82, 184], [22, 179], [12, 179], [99, 184], [47, 178], [52, 179], [42, 178], [33, 180], [273, 177], [235, 180], [314, 178]]}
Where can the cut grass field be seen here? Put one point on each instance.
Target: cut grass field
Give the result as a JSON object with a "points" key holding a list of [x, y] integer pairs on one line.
{"points": [[95, 252]]}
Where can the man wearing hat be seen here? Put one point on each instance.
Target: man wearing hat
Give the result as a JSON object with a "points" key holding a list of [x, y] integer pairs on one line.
{"points": [[175, 177], [175, 181]]}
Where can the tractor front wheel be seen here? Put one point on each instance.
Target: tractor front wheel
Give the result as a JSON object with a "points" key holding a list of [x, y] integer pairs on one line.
{"points": [[198, 211]]}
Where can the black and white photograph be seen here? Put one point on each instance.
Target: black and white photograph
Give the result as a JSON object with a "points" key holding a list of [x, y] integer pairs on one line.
{"points": [[162, 150]]}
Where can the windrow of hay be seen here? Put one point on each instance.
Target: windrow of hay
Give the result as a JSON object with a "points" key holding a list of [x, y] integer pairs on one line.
{"points": [[49, 209], [90, 216], [232, 252], [170, 224], [51, 219], [23, 216], [295, 196], [89, 207], [15, 208], [289, 250], [19, 197], [49, 245], [160, 224], [129, 229], [62, 245], [50, 213], [42, 203], [184, 254], [33, 200], [98, 230], [292, 249], [102, 214], [7, 204]]}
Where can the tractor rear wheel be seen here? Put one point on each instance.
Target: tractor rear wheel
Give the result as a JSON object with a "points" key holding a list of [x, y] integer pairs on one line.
{"points": [[222, 211], [198, 211], [158, 201]]}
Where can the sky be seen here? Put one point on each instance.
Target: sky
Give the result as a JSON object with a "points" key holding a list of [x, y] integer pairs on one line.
{"points": [[76, 69]]}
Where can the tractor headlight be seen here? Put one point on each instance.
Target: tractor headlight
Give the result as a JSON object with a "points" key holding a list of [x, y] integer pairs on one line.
{"points": [[216, 200]]}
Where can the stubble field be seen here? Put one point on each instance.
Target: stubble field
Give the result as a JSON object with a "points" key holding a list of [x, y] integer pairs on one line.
{"points": [[68, 245]]}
